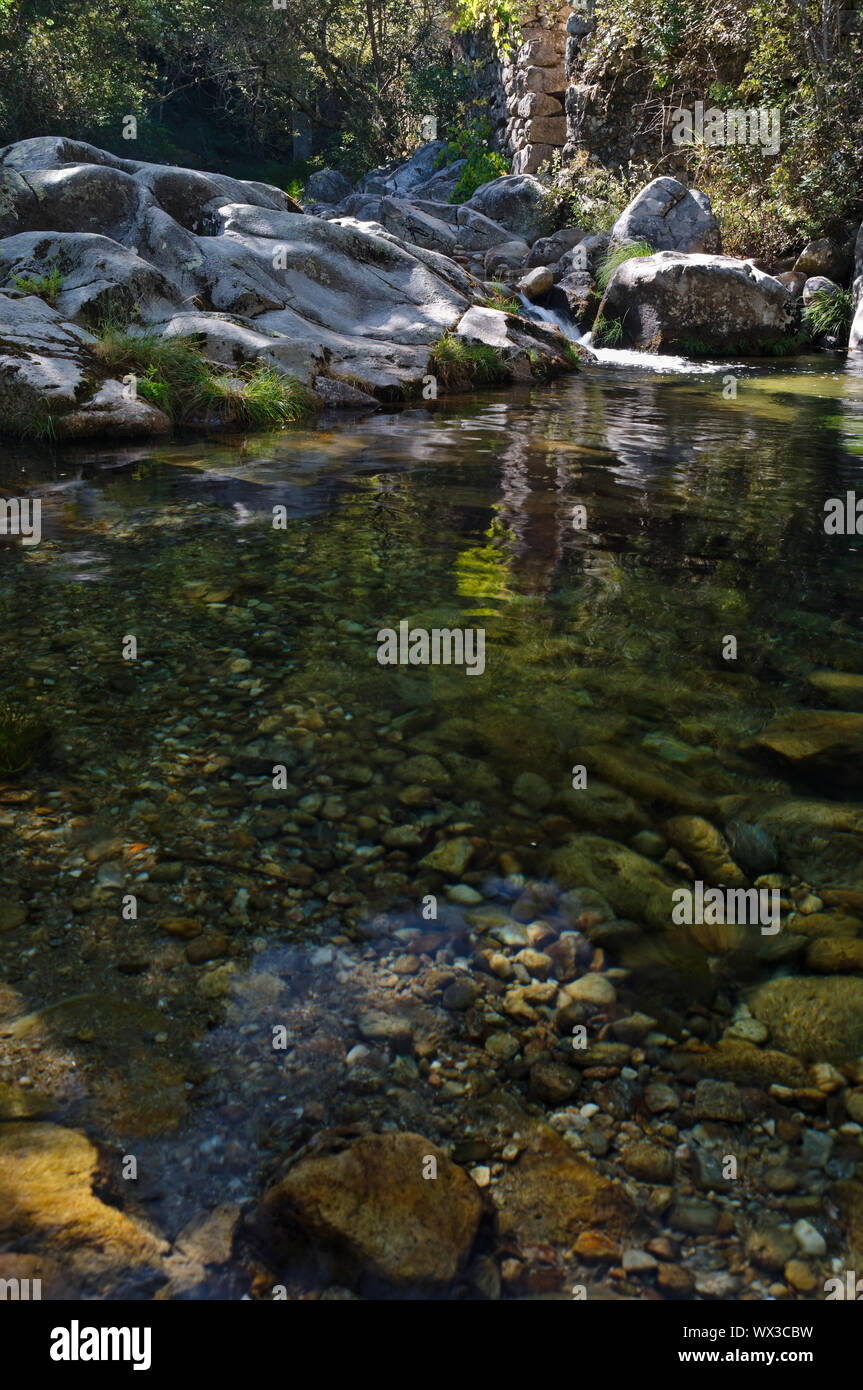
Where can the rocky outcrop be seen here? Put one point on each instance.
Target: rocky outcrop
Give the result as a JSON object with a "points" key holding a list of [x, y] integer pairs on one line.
{"points": [[670, 300], [237, 265]]}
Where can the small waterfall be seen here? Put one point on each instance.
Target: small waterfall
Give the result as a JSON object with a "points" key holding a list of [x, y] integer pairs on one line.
{"points": [[620, 357]]}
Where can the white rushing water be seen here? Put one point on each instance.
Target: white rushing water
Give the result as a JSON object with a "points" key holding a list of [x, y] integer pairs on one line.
{"points": [[621, 357]]}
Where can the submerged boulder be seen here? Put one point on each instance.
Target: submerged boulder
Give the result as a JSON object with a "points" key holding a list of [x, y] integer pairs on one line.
{"points": [[48, 1177], [386, 1210], [636, 887], [722, 305], [816, 1017], [826, 743]]}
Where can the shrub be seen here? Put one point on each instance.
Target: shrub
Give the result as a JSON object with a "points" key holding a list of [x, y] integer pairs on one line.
{"points": [[473, 143], [499, 18], [584, 193]]}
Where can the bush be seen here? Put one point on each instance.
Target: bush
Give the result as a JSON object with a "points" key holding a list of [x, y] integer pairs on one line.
{"points": [[499, 18], [740, 54], [585, 194], [473, 143]]}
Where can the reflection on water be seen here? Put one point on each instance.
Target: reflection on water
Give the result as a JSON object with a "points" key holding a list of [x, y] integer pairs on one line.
{"points": [[238, 829]]}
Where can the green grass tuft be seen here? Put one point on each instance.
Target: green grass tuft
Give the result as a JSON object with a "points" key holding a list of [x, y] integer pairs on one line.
{"points": [[174, 374], [829, 311], [499, 297], [459, 366], [607, 332], [627, 252]]}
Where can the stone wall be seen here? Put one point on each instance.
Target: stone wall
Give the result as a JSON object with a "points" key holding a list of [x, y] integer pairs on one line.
{"points": [[539, 103], [534, 85]]}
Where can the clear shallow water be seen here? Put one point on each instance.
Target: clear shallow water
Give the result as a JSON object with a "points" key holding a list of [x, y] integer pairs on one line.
{"points": [[257, 647]]}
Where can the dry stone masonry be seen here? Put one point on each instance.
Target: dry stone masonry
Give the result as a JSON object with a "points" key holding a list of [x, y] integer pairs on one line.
{"points": [[535, 83]]}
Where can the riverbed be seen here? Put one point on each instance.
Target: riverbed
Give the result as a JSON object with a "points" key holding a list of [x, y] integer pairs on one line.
{"points": [[171, 899]]}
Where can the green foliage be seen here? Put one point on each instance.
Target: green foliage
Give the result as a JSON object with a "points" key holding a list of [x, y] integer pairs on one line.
{"points": [[47, 287], [459, 366], [629, 251], [173, 374], [584, 193], [473, 143], [499, 297], [573, 355], [21, 735], [41, 426], [225, 86], [829, 312], [785, 55], [499, 18]]}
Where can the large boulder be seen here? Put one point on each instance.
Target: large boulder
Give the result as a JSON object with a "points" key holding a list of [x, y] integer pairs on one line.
{"points": [[50, 381], [671, 300], [442, 184], [517, 340], [670, 217], [817, 285], [101, 278], [403, 176], [414, 225], [328, 186], [387, 1211], [518, 202], [824, 257]]}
